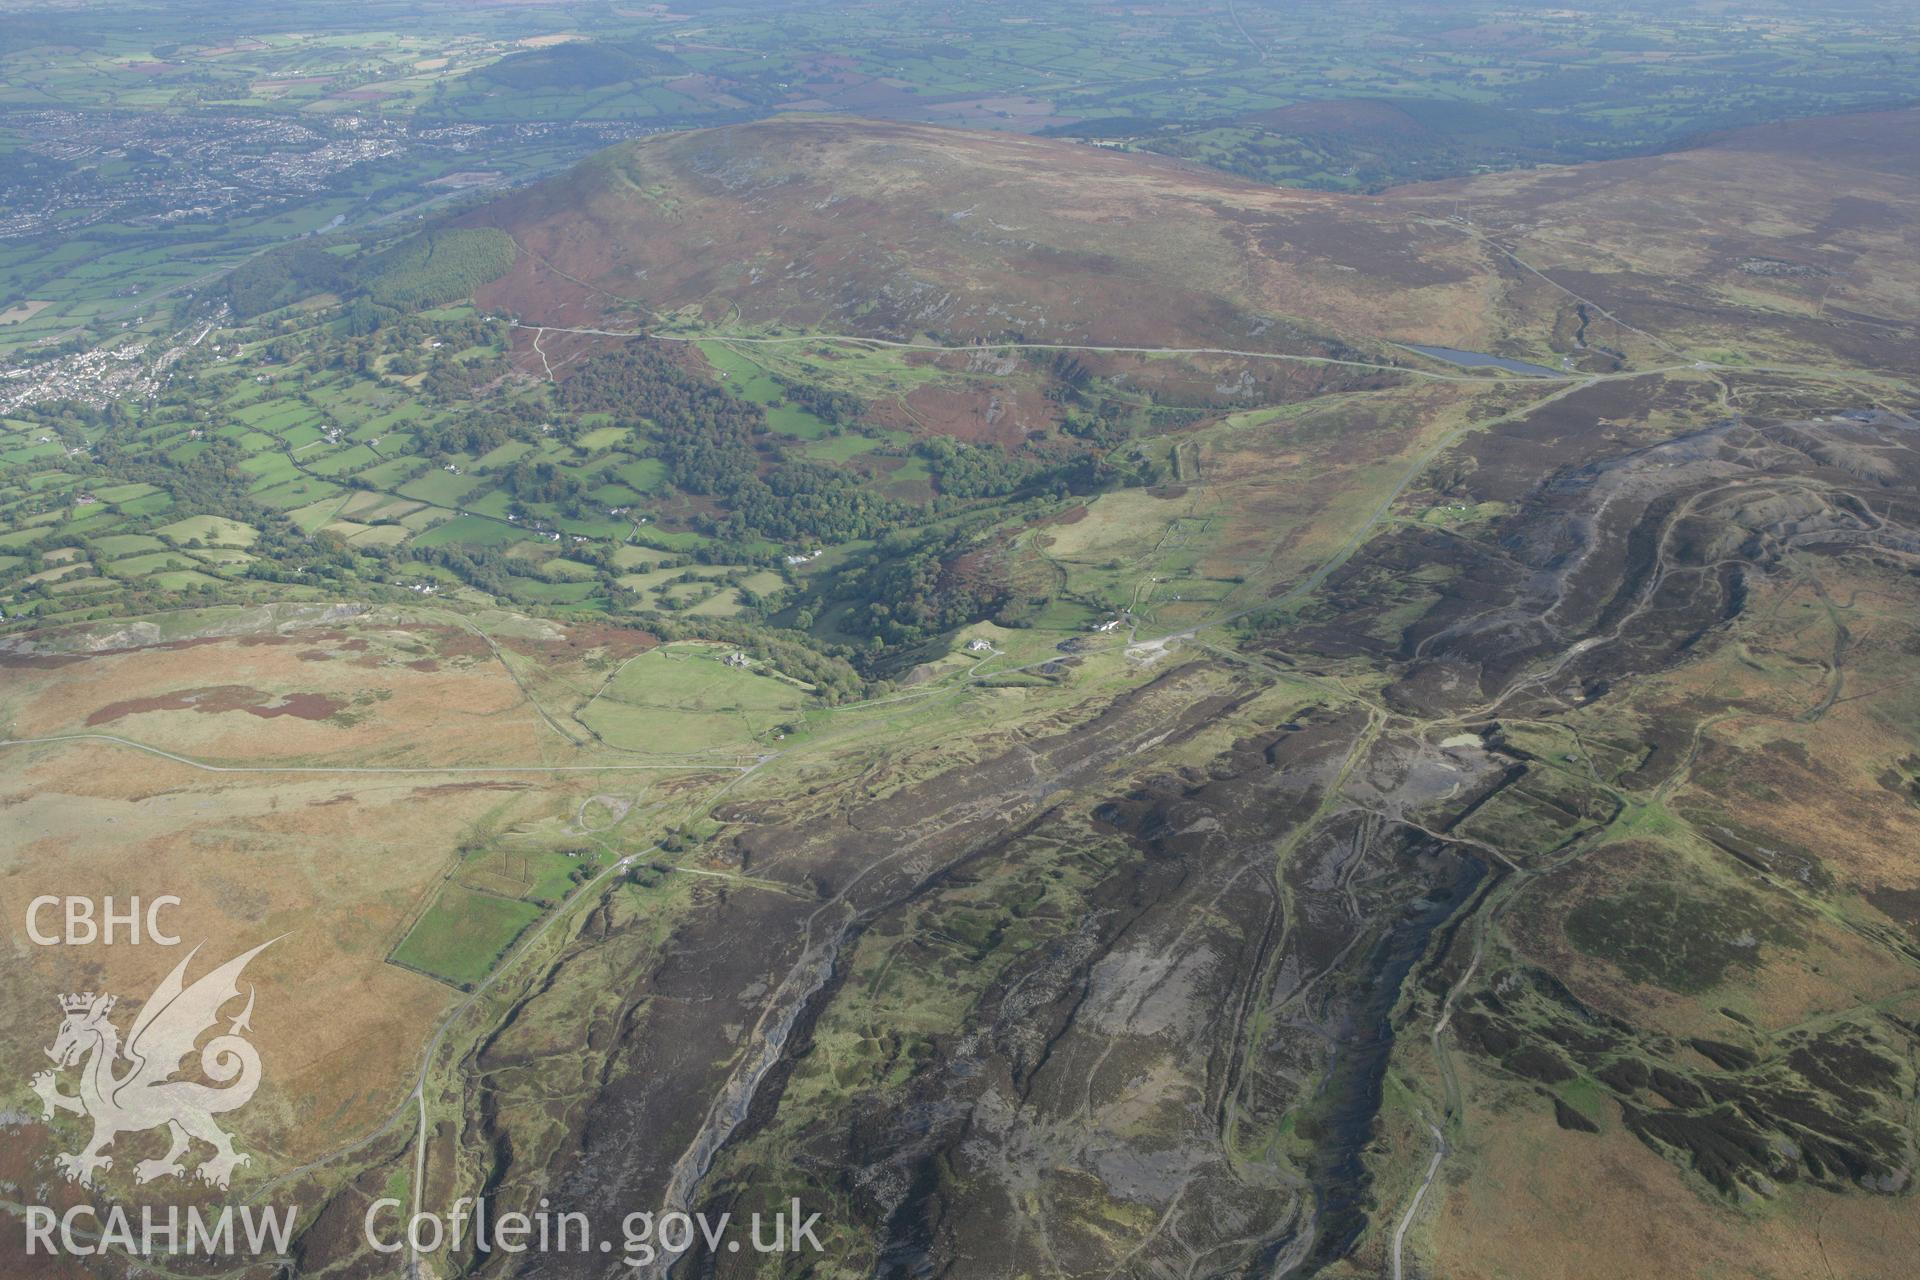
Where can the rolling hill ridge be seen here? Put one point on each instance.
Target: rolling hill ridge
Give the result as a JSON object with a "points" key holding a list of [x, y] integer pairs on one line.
{"points": [[1764, 244]]}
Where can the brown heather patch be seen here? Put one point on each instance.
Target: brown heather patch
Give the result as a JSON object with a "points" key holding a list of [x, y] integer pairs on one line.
{"points": [[1000, 416], [252, 858], [1828, 966], [219, 698], [581, 640], [1137, 250], [54, 661], [1542, 1202], [1817, 783], [389, 713], [454, 643], [1173, 255]]}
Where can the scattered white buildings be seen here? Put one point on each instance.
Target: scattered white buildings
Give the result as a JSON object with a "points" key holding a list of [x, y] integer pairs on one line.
{"points": [[96, 378]]}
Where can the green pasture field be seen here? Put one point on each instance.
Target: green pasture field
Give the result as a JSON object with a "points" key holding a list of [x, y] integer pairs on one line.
{"points": [[602, 438], [127, 544], [312, 515], [441, 488], [141, 566], [463, 934], [210, 530], [554, 592], [121, 493], [182, 579], [643, 475], [541, 876], [749, 380], [473, 531], [682, 699], [152, 504], [840, 448]]}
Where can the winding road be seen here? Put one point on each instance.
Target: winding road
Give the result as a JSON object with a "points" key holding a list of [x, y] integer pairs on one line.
{"points": [[939, 348]]}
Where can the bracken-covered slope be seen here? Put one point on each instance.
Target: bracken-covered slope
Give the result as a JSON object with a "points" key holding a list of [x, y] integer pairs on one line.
{"points": [[1479, 844], [1785, 244], [893, 230], [1543, 815], [1792, 243]]}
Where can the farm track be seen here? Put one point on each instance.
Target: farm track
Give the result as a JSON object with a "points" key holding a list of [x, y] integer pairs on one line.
{"points": [[1426, 1183]]}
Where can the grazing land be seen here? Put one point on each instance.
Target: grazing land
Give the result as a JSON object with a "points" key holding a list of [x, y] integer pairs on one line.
{"points": [[978, 678]]}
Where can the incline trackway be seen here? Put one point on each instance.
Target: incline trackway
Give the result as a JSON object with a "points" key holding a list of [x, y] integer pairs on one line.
{"points": [[417, 1096], [1406, 1220]]}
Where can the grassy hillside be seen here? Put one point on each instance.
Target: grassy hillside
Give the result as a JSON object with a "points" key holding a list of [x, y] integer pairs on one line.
{"points": [[898, 230], [438, 266], [1057, 811], [906, 232]]}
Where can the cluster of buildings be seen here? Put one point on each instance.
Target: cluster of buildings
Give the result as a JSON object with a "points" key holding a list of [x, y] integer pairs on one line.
{"points": [[95, 378], [173, 167], [158, 168]]}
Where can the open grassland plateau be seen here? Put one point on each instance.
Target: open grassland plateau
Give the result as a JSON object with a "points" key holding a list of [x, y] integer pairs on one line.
{"points": [[319, 795]]}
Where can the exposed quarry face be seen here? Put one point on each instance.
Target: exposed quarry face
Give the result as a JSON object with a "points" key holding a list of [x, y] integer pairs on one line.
{"points": [[1128, 967], [1354, 807], [1180, 992]]}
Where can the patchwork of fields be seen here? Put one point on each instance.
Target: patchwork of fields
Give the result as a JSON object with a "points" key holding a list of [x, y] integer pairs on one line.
{"points": [[1071, 711]]}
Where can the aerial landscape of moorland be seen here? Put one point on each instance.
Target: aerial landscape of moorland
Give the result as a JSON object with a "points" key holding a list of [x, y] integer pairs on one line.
{"points": [[1014, 640]]}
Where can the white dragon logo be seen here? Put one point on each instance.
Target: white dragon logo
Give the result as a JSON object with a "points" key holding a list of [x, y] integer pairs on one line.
{"points": [[145, 1096]]}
